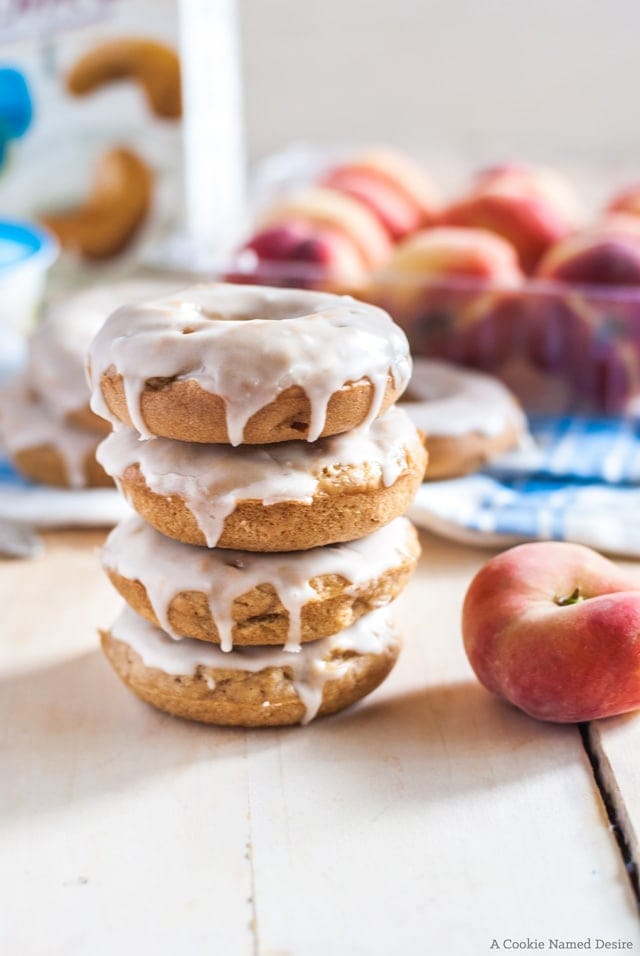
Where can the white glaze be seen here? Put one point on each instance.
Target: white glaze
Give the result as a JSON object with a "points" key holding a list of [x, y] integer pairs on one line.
{"points": [[166, 568], [58, 347], [212, 479], [248, 344], [27, 422], [448, 400], [312, 668]]}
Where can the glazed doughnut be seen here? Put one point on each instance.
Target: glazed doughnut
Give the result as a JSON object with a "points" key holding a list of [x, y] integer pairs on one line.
{"points": [[286, 497], [244, 598], [251, 686], [43, 447], [237, 364], [58, 347], [468, 417]]}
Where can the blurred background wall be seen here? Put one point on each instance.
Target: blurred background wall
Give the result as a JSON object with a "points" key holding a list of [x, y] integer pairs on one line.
{"points": [[542, 79]]}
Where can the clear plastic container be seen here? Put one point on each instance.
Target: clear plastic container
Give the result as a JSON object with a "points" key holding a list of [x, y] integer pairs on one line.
{"points": [[559, 347], [26, 252]]}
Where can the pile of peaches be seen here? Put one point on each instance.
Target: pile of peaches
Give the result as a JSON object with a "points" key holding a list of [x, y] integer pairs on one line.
{"points": [[507, 272]]}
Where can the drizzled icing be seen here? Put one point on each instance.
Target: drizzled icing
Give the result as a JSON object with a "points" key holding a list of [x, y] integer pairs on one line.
{"points": [[247, 344], [446, 400], [28, 422], [212, 479], [167, 568], [311, 668], [58, 347]]}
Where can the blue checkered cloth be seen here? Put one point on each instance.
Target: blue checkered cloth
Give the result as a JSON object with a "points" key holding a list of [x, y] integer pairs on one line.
{"points": [[577, 480]]}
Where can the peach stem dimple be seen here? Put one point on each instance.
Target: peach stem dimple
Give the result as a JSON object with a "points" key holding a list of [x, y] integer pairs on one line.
{"points": [[574, 598]]}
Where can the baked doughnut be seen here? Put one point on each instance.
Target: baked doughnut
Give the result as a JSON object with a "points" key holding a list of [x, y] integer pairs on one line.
{"points": [[58, 347], [285, 497], [104, 224], [223, 363], [243, 598], [153, 65], [468, 417], [251, 686], [43, 447]]}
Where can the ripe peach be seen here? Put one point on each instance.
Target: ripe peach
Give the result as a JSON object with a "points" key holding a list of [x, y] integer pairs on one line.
{"points": [[522, 179], [607, 254], [588, 336], [329, 209], [530, 208], [619, 222], [528, 224], [627, 200], [299, 255], [399, 216], [452, 290], [586, 325], [447, 254], [554, 628], [404, 175]]}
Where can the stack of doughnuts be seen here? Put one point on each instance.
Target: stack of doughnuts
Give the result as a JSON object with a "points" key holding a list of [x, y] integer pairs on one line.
{"points": [[256, 436], [47, 427]]}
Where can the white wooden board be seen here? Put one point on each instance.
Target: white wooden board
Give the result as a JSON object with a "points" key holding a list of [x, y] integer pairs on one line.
{"points": [[431, 819]]}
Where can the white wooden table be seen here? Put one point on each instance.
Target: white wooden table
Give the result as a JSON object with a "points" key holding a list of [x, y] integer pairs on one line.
{"points": [[431, 819]]}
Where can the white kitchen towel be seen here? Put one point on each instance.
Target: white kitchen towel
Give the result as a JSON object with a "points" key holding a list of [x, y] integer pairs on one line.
{"points": [[47, 507], [481, 510]]}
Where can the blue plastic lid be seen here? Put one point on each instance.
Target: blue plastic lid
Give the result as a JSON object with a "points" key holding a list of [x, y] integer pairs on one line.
{"points": [[22, 241]]}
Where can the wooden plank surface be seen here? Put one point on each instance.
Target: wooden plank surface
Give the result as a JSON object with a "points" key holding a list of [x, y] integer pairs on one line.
{"points": [[615, 745], [430, 819], [122, 831]]}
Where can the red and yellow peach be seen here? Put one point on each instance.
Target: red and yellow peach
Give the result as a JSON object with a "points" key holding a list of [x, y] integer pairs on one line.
{"points": [[452, 291], [526, 207], [300, 255], [329, 209], [554, 628], [390, 184], [627, 200], [607, 254], [396, 213]]}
